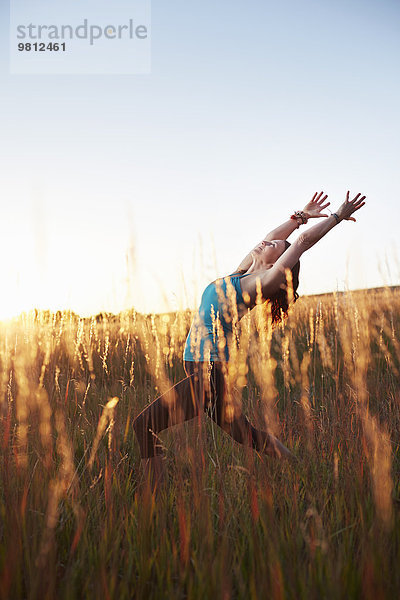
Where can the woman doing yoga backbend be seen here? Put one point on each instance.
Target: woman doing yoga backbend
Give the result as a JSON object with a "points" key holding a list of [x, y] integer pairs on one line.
{"points": [[212, 334]]}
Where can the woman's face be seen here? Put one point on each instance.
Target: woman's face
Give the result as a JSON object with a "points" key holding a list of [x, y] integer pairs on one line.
{"points": [[267, 253]]}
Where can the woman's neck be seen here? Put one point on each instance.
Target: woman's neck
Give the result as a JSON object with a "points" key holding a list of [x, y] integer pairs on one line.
{"points": [[256, 267]]}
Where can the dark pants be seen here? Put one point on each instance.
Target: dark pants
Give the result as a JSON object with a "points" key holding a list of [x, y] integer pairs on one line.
{"points": [[204, 389]]}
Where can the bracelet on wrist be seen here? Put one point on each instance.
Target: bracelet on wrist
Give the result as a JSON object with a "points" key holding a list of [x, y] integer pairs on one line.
{"points": [[299, 215], [338, 219]]}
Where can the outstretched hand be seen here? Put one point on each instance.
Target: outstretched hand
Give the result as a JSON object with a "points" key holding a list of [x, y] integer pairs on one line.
{"points": [[350, 206], [314, 208]]}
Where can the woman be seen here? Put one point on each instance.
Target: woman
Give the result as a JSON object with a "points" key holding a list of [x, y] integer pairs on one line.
{"points": [[211, 340]]}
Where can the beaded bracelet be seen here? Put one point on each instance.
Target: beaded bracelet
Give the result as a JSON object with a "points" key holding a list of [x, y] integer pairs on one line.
{"points": [[299, 214]]}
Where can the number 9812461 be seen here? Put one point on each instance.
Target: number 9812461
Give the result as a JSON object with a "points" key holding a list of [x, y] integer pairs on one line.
{"points": [[42, 47]]}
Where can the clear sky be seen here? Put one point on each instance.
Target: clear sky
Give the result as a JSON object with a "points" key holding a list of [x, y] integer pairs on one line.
{"points": [[121, 190]]}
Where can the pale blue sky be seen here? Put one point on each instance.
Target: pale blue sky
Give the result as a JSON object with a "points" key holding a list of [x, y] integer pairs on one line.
{"points": [[139, 189]]}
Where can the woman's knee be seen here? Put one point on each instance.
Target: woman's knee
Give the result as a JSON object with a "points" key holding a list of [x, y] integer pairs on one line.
{"points": [[153, 418], [175, 406]]}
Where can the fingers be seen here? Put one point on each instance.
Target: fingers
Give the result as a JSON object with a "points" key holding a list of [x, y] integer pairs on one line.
{"points": [[358, 206], [317, 198], [358, 202], [353, 205], [361, 200], [355, 199]]}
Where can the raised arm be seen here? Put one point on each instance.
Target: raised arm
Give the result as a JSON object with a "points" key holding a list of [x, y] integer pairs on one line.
{"points": [[312, 210], [272, 279]]}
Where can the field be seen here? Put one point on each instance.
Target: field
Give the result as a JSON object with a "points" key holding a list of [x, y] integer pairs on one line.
{"points": [[228, 523]]}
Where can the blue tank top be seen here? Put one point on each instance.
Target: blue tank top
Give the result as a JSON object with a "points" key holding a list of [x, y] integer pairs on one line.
{"points": [[213, 326]]}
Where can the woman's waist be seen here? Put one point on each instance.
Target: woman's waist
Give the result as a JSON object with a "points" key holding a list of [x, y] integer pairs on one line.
{"points": [[208, 324]]}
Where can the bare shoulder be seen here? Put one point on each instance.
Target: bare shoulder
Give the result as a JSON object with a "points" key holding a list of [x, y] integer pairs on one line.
{"points": [[251, 287], [264, 285], [237, 272]]}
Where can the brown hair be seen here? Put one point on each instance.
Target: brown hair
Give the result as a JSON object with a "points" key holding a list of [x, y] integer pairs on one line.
{"points": [[279, 302]]}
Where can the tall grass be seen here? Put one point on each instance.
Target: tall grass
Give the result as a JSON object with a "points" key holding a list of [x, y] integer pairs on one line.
{"points": [[229, 523]]}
